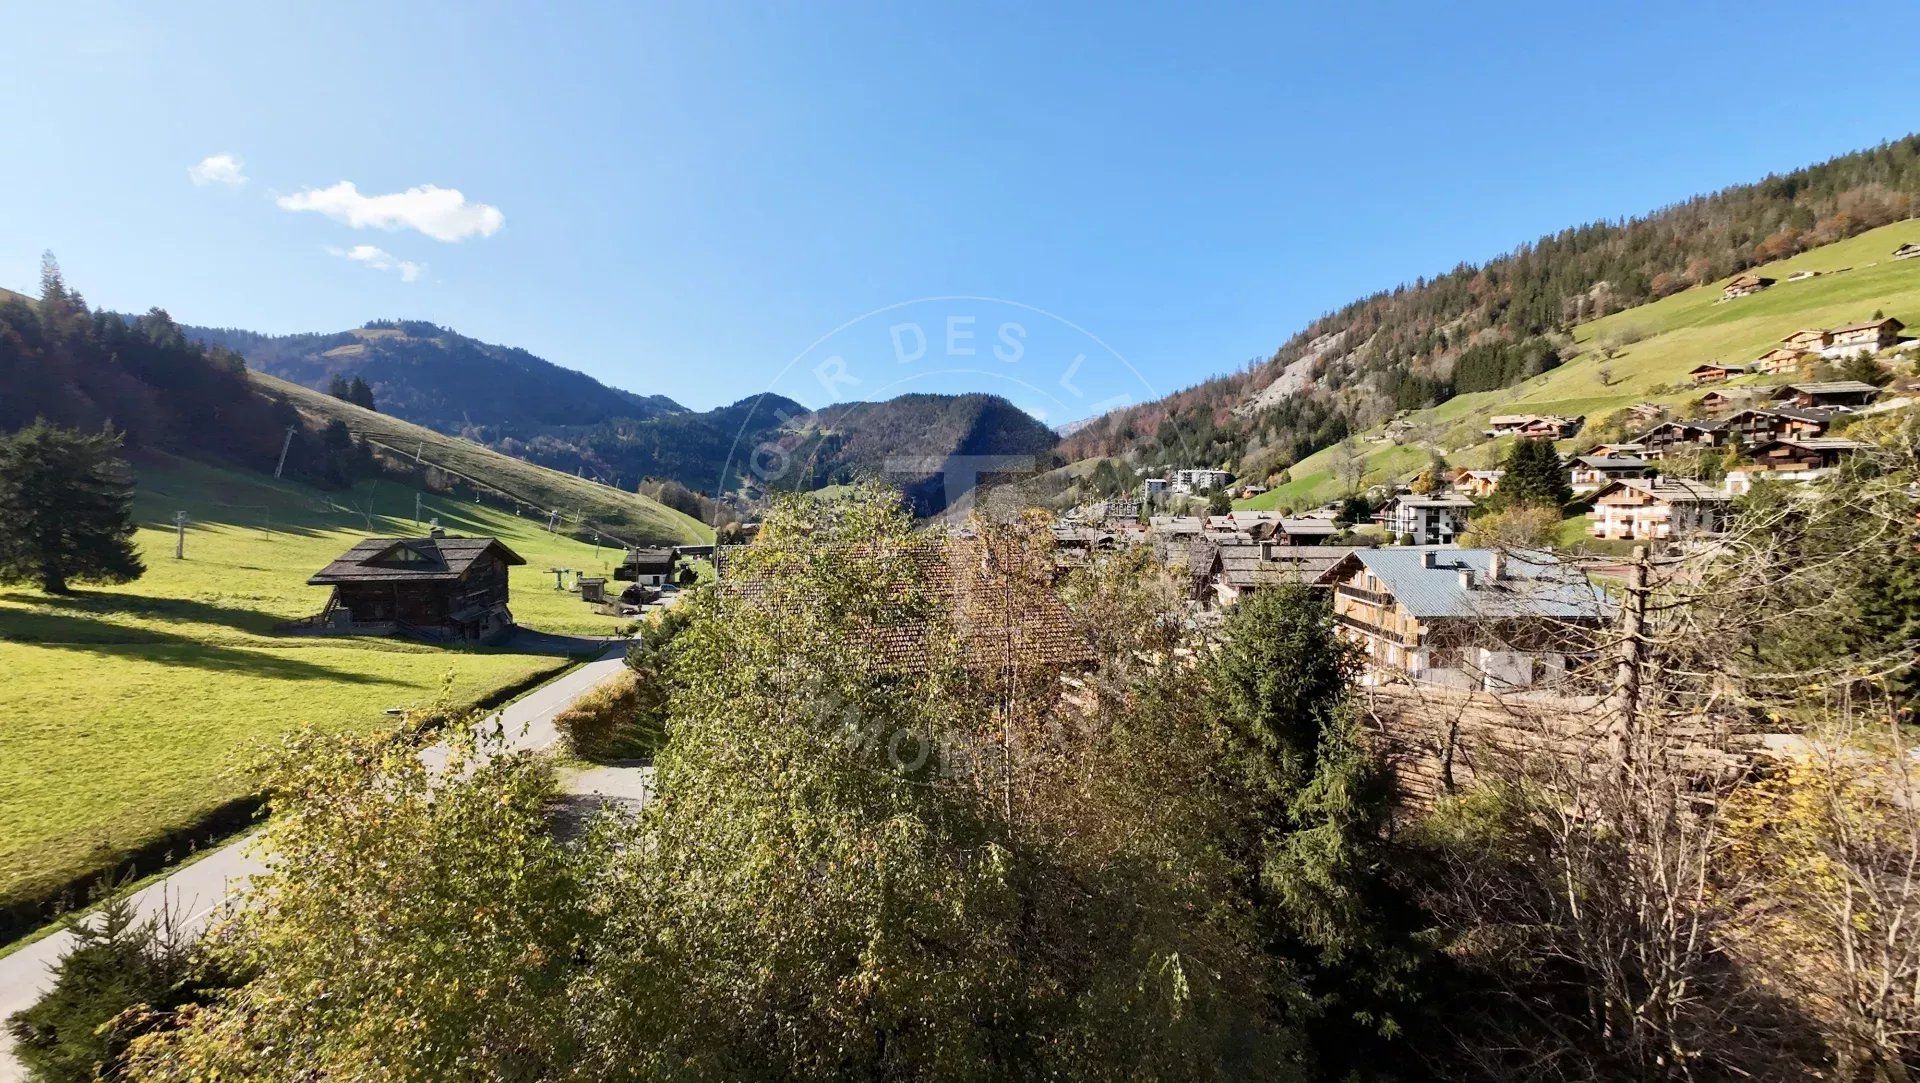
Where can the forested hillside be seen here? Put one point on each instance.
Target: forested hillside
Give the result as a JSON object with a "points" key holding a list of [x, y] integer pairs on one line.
{"points": [[83, 369], [432, 376], [1477, 328]]}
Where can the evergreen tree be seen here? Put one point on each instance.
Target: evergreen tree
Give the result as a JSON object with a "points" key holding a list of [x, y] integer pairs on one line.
{"points": [[117, 962], [1316, 809], [1219, 503], [339, 388], [1533, 474], [1864, 368], [65, 509], [360, 393]]}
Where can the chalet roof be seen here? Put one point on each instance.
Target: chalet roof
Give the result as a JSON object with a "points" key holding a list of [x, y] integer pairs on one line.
{"points": [[1796, 413], [1717, 366], [1870, 325], [1611, 462], [661, 558], [1246, 565], [1668, 490], [1176, 524], [1826, 387], [378, 560], [1749, 279], [1426, 581], [1437, 500], [1305, 527], [1815, 443]]}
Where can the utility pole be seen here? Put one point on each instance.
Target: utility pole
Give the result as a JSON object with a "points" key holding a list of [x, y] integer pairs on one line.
{"points": [[552, 518], [416, 507], [417, 451], [179, 535], [284, 445]]}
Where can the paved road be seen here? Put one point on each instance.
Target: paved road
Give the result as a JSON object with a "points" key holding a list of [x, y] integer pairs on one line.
{"points": [[197, 890]]}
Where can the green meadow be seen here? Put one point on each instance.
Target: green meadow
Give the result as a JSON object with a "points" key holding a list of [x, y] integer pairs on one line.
{"points": [[1680, 331], [129, 710]]}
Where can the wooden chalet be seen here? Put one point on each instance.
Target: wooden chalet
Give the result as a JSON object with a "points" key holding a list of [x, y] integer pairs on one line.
{"points": [[1827, 394], [1672, 436], [1871, 336], [1803, 457], [1808, 340], [1759, 424], [1467, 618], [1236, 569], [437, 585], [649, 567], [1721, 400], [1593, 471], [1745, 286], [1714, 372], [1658, 509], [1907, 251], [1476, 483], [1780, 359]]}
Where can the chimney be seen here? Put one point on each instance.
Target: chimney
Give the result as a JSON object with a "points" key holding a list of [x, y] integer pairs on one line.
{"points": [[1496, 566], [1426, 558], [434, 531], [1466, 578]]}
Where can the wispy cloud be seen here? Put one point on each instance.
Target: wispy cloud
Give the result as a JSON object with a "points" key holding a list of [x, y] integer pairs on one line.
{"points": [[221, 168], [380, 260], [441, 213]]}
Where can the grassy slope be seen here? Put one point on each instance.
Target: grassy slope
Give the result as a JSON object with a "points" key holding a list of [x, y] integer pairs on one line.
{"points": [[128, 707], [1683, 330], [582, 503]]}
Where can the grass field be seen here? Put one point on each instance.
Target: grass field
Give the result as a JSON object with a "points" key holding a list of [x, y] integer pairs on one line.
{"points": [[128, 708], [1681, 331], [583, 505]]}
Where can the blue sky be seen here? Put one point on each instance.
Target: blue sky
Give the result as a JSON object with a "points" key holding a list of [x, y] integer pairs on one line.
{"points": [[691, 199]]}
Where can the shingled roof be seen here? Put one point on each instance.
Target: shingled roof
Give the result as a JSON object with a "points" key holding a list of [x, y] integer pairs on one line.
{"points": [[415, 560]]}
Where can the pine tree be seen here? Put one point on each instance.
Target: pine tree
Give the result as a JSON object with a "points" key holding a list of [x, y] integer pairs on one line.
{"points": [[360, 393], [1533, 474], [339, 388], [65, 509]]}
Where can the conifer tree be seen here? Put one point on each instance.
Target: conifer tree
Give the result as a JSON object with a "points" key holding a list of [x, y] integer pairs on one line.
{"points": [[65, 509], [1533, 474]]}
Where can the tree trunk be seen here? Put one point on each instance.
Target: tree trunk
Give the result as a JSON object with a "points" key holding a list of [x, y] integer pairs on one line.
{"points": [[53, 582]]}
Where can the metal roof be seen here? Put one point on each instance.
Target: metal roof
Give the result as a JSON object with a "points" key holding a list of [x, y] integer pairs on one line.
{"points": [[1530, 584]]}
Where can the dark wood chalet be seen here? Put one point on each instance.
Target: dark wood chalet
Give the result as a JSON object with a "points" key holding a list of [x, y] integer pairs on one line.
{"points": [[437, 585]]}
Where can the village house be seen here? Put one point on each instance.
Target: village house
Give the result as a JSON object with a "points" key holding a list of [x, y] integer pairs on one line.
{"points": [[1744, 286], [1808, 340], [1467, 618], [1714, 372], [1431, 520], [1237, 569], [1672, 436], [1869, 337], [1590, 472], [1534, 426], [1791, 460], [1757, 425], [1780, 359], [1152, 487], [1827, 395], [1724, 399], [646, 567], [1616, 451], [1478, 484], [440, 586], [1907, 251], [1658, 509]]}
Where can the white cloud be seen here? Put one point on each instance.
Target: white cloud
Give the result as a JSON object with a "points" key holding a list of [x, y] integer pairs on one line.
{"points": [[218, 169], [441, 213], [381, 260]]}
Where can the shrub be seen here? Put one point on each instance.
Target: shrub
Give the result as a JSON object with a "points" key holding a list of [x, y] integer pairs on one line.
{"points": [[609, 724]]}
